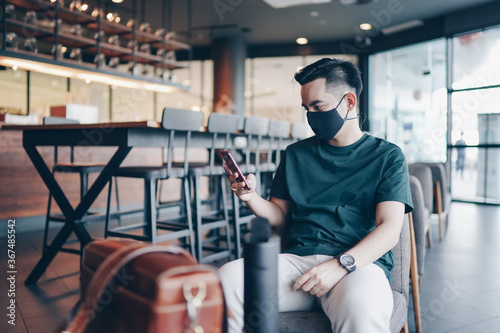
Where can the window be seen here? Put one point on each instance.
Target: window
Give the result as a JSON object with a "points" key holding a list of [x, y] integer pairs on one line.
{"points": [[475, 116], [13, 91], [408, 99]]}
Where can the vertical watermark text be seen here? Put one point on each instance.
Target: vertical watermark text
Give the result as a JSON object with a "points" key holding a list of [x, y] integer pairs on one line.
{"points": [[11, 271]]}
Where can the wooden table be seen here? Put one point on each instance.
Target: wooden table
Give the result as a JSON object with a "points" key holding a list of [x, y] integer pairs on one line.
{"points": [[124, 136]]}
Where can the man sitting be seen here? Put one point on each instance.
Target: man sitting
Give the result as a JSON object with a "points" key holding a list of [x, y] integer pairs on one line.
{"points": [[344, 194]]}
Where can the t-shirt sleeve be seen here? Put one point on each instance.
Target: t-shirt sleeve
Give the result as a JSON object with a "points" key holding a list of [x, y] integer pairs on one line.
{"points": [[279, 188], [395, 183]]}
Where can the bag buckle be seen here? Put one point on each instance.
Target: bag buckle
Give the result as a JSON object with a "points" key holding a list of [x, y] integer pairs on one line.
{"points": [[194, 303]]}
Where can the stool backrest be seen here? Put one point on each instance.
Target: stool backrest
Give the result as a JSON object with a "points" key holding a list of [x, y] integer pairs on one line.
{"points": [[220, 123], [278, 129], [258, 127], [223, 123], [299, 131], [179, 120]]}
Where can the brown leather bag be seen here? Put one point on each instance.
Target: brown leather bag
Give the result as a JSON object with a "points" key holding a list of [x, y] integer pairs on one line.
{"points": [[132, 287]]}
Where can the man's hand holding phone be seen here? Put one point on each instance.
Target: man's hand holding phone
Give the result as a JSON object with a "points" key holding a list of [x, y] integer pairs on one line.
{"points": [[243, 187]]}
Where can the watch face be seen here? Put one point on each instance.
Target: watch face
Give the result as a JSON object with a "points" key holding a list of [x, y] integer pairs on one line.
{"points": [[347, 260]]}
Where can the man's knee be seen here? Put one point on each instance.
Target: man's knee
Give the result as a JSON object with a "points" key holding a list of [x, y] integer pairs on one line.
{"points": [[231, 275], [362, 304]]}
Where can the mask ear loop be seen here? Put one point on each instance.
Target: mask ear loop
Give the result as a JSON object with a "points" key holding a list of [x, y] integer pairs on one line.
{"points": [[363, 119], [357, 116], [345, 118]]}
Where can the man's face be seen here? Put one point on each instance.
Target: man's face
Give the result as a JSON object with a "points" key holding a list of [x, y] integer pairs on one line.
{"points": [[315, 98]]}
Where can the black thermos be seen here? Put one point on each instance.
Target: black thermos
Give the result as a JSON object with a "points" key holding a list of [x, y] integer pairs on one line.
{"points": [[261, 313]]}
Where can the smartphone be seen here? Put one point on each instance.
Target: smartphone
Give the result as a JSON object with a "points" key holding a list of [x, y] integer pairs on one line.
{"points": [[231, 163]]}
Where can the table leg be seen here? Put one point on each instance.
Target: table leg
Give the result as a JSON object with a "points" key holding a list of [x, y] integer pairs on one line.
{"points": [[101, 181], [49, 254], [70, 214]]}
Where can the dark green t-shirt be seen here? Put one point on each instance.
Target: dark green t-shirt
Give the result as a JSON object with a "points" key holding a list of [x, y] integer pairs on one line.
{"points": [[334, 192]]}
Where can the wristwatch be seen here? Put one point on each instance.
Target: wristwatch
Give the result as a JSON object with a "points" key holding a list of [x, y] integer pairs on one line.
{"points": [[347, 261]]}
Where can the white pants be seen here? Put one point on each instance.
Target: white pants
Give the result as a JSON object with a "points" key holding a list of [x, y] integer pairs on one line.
{"points": [[361, 302]]}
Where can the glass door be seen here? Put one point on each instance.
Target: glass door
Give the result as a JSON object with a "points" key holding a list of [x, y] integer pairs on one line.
{"points": [[474, 91]]}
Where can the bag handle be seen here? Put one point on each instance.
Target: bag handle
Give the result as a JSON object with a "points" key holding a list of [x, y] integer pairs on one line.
{"points": [[84, 311]]}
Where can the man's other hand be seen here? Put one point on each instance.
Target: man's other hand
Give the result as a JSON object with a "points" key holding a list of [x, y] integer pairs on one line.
{"points": [[319, 280]]}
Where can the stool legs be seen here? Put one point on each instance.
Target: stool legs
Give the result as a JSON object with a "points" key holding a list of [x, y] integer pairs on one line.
{"points": [[213, 221]]}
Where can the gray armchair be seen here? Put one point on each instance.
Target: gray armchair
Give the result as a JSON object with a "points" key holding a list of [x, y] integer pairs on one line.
{"points": [[422, 212], [442, 195], [317, 322]]}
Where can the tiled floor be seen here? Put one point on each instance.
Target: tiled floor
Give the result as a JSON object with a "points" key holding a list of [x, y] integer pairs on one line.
{"points": [[460, 291]]}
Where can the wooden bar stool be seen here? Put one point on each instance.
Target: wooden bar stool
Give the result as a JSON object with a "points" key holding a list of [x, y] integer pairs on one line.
{"points": [[254, 128], [212, 219], [178, 123]]}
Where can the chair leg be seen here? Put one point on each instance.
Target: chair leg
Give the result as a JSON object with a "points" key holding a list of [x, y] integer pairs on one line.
{"points": [[117, 200], [236, 227], [189, 215], [47, 221], [405, 328], [222, 188], [429, 237], [108, 207], [150, 210], [414, 278], [159, 184], [84, 186], [439, 207], [197, 218]]}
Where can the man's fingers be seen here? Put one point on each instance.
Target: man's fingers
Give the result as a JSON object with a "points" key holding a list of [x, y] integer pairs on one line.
{"points": [[300, 281], [309, 285], [224, 165], [251, 180], [316, 290]]}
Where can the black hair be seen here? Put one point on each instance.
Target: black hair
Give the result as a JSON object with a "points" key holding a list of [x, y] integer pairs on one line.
{"points": [[337, 72]]}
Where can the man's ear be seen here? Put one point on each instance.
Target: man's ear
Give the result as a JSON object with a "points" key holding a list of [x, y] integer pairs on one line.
{"points": [[352, 101]]}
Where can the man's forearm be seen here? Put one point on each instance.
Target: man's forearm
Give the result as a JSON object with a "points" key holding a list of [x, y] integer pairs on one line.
{"points": [[267, 209], [383, 238], [375, 244]]}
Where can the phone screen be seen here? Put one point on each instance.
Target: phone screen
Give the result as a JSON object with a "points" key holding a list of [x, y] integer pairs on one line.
{"points": [[231, 163]]}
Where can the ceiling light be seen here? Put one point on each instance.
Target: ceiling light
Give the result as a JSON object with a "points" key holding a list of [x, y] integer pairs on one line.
{"points": [[289, 3], [117, 1], [314, 13], [365, 26], [301, 41], [357, 2], [402, 26], [85, 7]]}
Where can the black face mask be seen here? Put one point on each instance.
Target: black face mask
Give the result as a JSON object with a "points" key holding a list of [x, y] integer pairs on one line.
{"points": [[328, 123]]}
